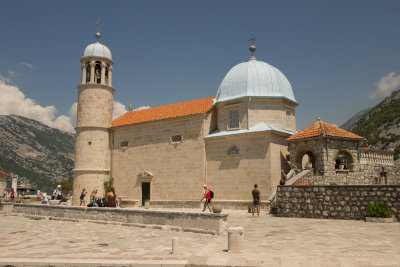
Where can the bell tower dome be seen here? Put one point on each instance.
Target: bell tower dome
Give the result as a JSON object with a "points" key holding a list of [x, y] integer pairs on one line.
{"points": [[94, 118]]}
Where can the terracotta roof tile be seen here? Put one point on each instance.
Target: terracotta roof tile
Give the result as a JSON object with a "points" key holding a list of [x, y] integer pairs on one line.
{"points": [[176, 110], [320, 128]]}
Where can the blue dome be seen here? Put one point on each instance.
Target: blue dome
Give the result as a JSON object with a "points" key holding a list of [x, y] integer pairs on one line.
{"points": [[254, 79], [97, 49]]}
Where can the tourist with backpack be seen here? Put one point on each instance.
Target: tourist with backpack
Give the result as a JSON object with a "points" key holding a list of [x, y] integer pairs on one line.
{"points": [[208, 195]]}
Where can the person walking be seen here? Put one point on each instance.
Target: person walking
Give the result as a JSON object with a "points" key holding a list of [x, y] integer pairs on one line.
{"points": [[256, 200], [207, 196], [12, 196]]}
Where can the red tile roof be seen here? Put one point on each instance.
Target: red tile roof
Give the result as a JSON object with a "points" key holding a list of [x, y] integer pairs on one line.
{"points": [[321, 128], [193, 107], [3, 173]]}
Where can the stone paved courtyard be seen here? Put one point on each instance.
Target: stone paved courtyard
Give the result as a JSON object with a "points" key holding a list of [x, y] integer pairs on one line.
{"points": [[268, 241]]}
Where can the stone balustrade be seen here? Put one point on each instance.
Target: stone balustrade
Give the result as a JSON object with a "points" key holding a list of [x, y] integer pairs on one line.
{"points": [[374, 156]]}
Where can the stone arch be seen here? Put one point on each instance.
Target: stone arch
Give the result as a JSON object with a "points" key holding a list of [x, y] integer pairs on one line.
{"points": [[343, 160], [306, 159]]}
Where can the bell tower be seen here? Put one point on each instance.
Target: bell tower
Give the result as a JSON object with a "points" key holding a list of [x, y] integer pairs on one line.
{"points": [[94, 118]]}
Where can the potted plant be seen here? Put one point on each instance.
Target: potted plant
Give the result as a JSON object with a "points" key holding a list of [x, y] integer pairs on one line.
{"points": [[378, 212], [146, 204], [26, 199]]}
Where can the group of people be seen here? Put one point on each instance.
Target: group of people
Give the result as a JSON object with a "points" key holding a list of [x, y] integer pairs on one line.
{"points": [[110, 199], [12, 194], [208, 195]]}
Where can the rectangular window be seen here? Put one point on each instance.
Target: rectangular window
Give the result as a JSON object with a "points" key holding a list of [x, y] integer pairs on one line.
{"points": [[288, 116], [234, 119]]}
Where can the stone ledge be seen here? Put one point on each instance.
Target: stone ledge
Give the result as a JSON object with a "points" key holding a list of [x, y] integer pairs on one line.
{"points": [[198, 222]]}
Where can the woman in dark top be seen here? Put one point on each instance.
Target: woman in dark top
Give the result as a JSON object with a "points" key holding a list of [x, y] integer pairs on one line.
{"points": [[111, 198]]}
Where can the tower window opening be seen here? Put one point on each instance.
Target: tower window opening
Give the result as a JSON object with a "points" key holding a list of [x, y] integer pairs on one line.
{"points": [[233, 119], [90, 143], [87, 72], [97, 72]]}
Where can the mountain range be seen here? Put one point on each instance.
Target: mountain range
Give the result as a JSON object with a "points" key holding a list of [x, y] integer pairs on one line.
{"points": [[39, 154], [380, 125]]}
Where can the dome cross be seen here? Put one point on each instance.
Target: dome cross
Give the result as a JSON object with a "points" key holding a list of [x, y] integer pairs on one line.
{"points": [[98, 35], [252, 47]]}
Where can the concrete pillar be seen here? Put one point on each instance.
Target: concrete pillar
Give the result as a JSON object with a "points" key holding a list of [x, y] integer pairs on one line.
{"points": [[103, 73], [92, 65], [83, 67], [109, 75], [235, 239]]}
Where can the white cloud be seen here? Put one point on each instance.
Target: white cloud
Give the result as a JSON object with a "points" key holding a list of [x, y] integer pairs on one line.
{"points": [[5, 79], [141, 108], [119, 109], [29, 65], [15, 102], [386, 85]]}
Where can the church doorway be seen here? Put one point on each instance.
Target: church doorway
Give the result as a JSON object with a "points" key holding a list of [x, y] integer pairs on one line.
{"points": [[145, 192]]}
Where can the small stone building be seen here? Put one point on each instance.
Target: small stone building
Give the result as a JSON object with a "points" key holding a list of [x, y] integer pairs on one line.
{"points": [[335, 156]]}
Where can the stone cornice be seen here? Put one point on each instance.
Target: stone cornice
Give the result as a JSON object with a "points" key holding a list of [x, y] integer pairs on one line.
{"points": [[92, 127], [91, 170], [84, 86], [96, 58]]}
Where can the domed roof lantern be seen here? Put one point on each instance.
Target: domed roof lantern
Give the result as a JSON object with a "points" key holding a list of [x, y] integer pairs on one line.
{"points": [[97, 49], [254, 79]]}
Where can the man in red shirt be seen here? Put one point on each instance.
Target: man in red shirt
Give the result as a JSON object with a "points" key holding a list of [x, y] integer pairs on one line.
{"points": [[207, 196]]}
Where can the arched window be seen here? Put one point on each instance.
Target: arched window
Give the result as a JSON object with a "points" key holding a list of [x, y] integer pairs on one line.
{"points": [[97, 72], [343, 160], [233, 150]]}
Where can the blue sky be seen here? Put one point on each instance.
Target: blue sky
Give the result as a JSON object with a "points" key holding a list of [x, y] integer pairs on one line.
{"points": [[335, 54]]}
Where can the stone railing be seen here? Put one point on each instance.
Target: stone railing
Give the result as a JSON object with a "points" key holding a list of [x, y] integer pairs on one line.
{"points": [[374, 156]]}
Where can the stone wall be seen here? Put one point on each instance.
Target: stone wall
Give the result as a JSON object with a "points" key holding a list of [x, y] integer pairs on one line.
{"points": [[211, 223], [260, 159], [177, 169], [272, 111], [335, 201]]}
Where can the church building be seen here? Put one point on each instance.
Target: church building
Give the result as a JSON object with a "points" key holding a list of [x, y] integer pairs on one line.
{"points": [[166, 154]]}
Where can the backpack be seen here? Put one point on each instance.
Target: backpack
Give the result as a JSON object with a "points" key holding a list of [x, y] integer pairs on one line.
{"points": [[211, 194]]}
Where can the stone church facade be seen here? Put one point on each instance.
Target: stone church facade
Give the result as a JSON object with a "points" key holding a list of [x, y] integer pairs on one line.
{"points": [[166, 154]]}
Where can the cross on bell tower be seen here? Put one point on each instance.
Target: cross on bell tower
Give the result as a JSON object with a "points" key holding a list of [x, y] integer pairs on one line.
{"points": [[252, 47]]}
